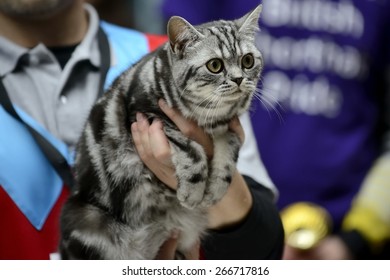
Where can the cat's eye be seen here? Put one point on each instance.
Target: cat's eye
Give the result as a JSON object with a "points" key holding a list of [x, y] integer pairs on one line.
{"points": [[215, 65], [248, 61]]}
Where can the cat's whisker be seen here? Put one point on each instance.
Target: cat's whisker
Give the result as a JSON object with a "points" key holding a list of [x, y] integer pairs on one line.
{"points": [[268, 104], [215, 117], [209, 99], [214, 113], [207, 109], [270, 94], [183, 91], [196, 109]]}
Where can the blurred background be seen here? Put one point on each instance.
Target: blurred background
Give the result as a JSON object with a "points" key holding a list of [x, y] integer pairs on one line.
{"points": [[143, 15]]}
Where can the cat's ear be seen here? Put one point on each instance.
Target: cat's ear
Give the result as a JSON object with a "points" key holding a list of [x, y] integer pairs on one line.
{"points": [[250, 22], [180, 33]]}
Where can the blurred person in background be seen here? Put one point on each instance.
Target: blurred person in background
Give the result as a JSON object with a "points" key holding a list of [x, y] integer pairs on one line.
{"points": [[57, 58], [142, 15], [119, 12], [323, 115]]}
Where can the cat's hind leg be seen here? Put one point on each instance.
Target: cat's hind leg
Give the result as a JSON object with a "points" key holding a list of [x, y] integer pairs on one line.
{"points": [[92, 233]]}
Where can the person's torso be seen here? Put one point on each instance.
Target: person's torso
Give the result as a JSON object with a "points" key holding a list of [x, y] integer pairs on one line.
{"points": [[31, 192]]}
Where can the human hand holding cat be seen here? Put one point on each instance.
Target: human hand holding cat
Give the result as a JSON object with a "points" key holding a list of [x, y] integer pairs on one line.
{"points": [[154, 150], [153, 146], [168, 249]]}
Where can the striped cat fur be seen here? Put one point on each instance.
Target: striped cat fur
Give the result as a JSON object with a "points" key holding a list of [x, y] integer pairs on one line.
{"points": [[119, 209]]}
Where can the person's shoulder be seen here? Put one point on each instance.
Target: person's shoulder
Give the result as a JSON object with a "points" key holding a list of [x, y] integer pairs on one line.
{"points": [[127, 47], [116, 32], [123, 35]]}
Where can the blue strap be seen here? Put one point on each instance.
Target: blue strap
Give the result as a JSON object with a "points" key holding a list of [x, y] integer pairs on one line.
{"points": [[128, 47], [25, 173]]}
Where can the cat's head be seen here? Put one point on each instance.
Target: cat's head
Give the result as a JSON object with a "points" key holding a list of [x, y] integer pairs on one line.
{"points": [[216, 65]]}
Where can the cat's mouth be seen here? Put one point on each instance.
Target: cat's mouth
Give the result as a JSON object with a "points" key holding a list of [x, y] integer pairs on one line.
{"points": [[233, 95], [232, 100]]}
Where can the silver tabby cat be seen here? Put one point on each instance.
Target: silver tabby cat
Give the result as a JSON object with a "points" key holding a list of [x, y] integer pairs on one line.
{"points": [[119, 209]]}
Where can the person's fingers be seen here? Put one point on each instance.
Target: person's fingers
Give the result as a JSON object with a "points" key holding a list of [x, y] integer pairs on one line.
{"points": [[168, 249], [162, 157], [143, 129], [137, 139], [154, 150], [193, 254], [159, 143]]}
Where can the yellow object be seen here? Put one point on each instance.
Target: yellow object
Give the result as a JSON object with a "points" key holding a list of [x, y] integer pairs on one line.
{"points": [[370, 211], [305, 224], [369, 224]]}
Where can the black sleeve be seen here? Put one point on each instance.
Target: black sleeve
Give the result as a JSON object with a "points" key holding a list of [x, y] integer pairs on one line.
{"points": [[357, 244], [259, 236]]}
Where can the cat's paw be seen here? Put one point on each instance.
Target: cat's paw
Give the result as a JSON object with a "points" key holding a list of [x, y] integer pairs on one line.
{"points": [[190, 197], [212, 197]]}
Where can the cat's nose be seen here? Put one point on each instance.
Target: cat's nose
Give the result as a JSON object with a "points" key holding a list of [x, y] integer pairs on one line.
{"points": [[237, 80]]}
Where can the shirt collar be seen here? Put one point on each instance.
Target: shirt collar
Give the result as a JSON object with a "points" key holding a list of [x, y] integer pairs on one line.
{"points": [[11, 53], [88, 48]]}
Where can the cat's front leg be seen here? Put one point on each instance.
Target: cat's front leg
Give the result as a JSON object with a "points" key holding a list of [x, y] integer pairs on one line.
{"points": [[190, 161], [222, 167]]}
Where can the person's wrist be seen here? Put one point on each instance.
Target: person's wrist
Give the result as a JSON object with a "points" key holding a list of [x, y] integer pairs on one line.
{"points": [[234, 206]]}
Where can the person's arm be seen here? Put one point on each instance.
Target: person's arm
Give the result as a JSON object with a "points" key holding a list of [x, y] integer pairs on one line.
{"points": [[259, 235], [245, 223]]}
